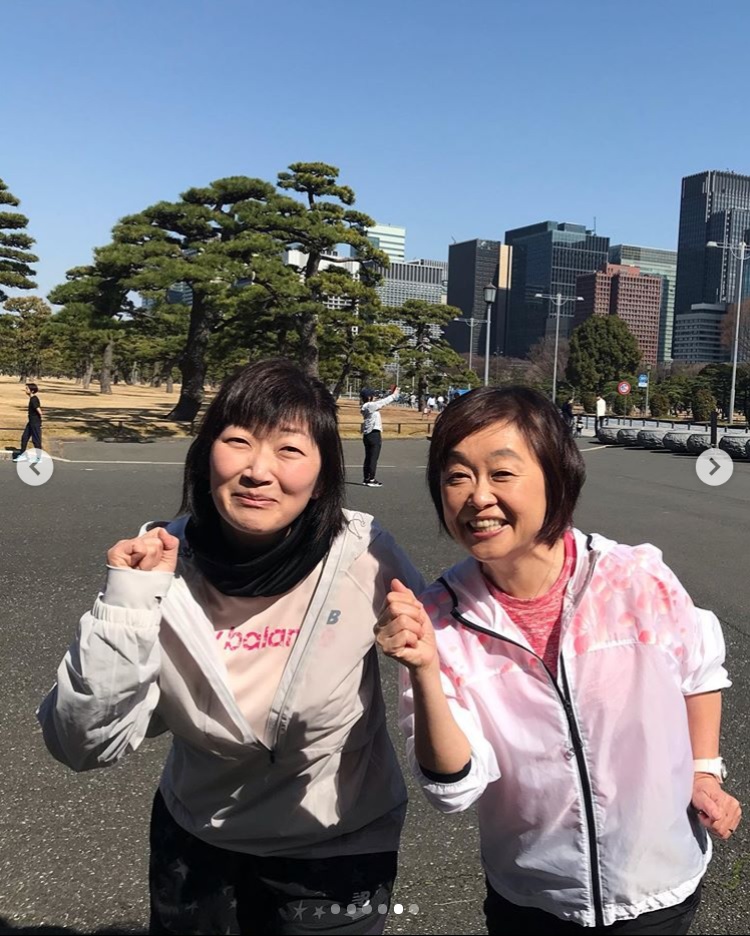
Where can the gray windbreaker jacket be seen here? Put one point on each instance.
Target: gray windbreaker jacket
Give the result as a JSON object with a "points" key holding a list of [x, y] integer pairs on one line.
{"points": [[323, 781]]}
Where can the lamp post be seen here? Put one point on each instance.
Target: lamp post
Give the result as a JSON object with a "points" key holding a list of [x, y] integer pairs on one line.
{"points": [[559, 301], [739, 252], [490, 292], [471, 322]]}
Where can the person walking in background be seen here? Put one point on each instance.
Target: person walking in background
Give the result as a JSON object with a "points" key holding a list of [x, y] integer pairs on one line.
{"points": [[33, 430], [245, 628], [567, 413], [601, 412], [372, 432]]}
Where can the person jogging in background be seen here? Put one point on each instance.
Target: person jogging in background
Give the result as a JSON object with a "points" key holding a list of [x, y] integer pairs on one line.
{"points": [[372, 432], [245, 628], [33, 429]]}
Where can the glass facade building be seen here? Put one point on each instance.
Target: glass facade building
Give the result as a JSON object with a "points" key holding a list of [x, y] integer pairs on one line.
{"points": [[547, 258], [714, 206], [391, 240], [472, 265], [654, 262]]}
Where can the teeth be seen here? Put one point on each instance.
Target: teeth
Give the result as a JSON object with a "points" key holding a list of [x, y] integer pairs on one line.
{"points": [[486, 524]]}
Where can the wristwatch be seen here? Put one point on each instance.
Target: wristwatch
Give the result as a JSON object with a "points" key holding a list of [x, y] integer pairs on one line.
{"points": [[711, 765]]}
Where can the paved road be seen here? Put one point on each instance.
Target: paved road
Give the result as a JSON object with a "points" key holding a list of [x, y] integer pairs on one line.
{"points": [[73, 847]]}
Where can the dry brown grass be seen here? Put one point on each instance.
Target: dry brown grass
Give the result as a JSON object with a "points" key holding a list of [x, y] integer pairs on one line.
{"points": [[133, 414]]}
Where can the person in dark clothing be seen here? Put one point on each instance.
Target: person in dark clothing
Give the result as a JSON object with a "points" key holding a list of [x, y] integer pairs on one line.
{"points": [[567, 413], [33, 430]]}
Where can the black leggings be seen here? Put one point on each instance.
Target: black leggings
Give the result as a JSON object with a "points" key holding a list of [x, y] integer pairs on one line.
{"points": [[373, 443], [504, 917], [199, 888]]}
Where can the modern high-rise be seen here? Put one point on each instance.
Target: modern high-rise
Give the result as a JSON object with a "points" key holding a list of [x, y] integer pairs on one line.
{"points": [[547, 258], [653, 261], [472, 265], [391, 240], [633, 296], [417, 279], [714, 207]]}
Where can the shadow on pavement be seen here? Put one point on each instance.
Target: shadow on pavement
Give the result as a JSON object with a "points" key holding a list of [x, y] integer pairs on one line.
{"points": [[125, 929]]}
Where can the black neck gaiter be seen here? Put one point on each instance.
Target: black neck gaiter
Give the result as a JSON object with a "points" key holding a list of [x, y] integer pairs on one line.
{"points": [[272, 573]]}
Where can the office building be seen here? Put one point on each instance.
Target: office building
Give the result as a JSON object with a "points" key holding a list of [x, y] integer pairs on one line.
{"points": [[391, 240], [654, 261], [626, 292], [298, 259], [547, 258], [416, 279], [714, 207], [472, 265]]}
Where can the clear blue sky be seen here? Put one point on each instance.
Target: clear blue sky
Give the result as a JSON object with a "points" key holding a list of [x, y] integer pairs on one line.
{"points": [[454, 119]]}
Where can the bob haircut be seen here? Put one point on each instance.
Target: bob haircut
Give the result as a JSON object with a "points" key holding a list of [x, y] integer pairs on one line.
{"points": [[542, 426], [262, 397]]}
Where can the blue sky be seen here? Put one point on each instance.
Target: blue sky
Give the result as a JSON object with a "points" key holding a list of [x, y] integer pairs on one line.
{"points": [[454, 119]]}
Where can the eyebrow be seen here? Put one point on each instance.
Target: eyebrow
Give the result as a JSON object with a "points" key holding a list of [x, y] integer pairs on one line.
{"points": [[455, 455]]}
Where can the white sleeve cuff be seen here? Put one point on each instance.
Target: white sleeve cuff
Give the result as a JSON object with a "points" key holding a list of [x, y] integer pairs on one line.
{"points": [[135, 589]]}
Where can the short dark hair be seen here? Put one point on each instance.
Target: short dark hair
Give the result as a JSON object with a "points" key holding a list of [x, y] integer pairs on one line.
{"points": [[543, 428], [260, 397], [33, 387]]}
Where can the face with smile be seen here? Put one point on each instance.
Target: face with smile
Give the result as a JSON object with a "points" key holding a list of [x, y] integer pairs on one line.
{"points": [[494, 496], [262, 481]]}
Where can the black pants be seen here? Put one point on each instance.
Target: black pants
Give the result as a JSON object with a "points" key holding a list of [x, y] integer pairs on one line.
{"points": [[199, 888], [32, 431], [373, 443], [504, 917]]}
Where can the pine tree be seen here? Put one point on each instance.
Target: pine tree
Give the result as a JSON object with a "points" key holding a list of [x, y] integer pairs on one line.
{"points": [[15, 252]]}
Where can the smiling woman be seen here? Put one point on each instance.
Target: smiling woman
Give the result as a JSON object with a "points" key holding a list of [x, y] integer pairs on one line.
{"points": [[245, 627], [536, 667]]}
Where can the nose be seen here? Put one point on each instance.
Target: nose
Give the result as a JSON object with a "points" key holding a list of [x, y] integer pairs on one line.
{"points": [[258, 466], [482, 495]]}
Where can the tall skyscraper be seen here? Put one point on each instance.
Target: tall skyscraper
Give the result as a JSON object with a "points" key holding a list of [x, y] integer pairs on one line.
{"points": [[715, 206], [417, 279], [654, 261], [629, 294], [391, 240], [547, 258], [472, 265]]}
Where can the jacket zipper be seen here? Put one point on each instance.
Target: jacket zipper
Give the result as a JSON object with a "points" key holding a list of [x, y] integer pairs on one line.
{"points": [[575, 735]]}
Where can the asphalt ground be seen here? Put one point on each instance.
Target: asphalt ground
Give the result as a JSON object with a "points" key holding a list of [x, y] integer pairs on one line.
{"points": [[73, 848]]}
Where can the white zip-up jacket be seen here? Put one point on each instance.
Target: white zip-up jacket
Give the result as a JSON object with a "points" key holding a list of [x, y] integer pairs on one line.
{"points": [[583, 782], [323, 781], [371, 419]]}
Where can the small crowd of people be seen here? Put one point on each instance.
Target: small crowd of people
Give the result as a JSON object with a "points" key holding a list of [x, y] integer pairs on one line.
{"points": [[562, 682]]}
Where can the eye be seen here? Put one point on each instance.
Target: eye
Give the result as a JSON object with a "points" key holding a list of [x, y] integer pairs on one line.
{"points": [[293, 449], [454, 477], [502, 473], [237, 439]]}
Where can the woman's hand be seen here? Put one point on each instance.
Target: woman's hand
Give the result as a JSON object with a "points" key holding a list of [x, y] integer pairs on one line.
{"points": [[155, 551], [719, 812], [404, 630]]}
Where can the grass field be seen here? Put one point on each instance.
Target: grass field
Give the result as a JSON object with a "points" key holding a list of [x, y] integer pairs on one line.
{"points": [[135, 413]]}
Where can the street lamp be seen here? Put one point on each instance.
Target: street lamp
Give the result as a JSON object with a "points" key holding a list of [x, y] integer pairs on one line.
{"points": [[739, 252], [559, 300], [471, 322], [490, 292]]}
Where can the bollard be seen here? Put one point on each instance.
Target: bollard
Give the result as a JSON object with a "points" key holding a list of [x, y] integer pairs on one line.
{"points": [[714, 429]]}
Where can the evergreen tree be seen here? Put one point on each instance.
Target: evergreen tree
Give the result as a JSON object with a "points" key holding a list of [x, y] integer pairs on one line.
{"points": [[15, 247]]}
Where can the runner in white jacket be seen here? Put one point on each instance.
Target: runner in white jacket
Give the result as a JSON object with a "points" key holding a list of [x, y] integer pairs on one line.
{"points": [[564, 683]]}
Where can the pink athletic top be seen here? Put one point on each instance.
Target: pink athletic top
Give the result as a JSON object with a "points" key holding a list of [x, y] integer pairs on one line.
{"points": [[539, 618]]}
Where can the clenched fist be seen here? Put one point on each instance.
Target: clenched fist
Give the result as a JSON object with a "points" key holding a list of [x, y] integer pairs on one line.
{"points": [[155, 551], [404, 630]]}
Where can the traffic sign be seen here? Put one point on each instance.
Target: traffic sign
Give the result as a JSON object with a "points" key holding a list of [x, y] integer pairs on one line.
{"points": [[642, 381], [623, 387]]}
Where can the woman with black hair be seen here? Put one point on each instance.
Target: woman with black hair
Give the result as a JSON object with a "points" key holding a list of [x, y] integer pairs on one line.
{"points": [[245, 627]]}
